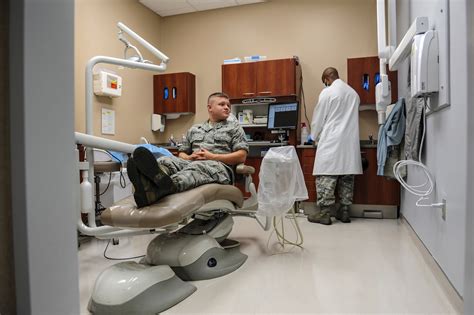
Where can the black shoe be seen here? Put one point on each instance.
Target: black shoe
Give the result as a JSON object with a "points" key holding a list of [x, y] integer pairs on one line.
{"points": [[139, 183], [147, 165], [342, 214]]}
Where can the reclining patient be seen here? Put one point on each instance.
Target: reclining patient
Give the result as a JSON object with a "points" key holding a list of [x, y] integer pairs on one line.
{"points": [[208, 156]]}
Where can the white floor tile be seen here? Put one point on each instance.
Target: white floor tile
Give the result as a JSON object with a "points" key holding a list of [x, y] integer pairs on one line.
{"points": [[367, 266]]}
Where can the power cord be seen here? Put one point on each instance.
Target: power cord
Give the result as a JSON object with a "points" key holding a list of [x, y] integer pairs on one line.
{"points": [[303, 100], [280, 234], [122, 181], [113, 258], [108, 184], [417, 189]]}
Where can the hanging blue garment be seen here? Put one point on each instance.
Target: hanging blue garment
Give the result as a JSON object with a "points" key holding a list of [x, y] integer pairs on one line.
{"points": [[390, 133]]}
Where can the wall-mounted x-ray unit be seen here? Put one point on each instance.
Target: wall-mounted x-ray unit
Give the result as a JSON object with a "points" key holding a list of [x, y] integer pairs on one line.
{"points": [[429, 54], [423, 50], [424, 64]]}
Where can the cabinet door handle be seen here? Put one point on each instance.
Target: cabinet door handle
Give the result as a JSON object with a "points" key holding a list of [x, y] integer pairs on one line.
{"points": [[265, 92], [248, 94]]}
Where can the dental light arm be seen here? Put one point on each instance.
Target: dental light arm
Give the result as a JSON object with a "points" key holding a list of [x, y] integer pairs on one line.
{"points": [[144, 43], [137, 63]]}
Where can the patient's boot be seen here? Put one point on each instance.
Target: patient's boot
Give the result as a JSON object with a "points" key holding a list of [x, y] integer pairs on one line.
{"points": [[148, 167], [342, 214], [145, 190], [322, 217]]}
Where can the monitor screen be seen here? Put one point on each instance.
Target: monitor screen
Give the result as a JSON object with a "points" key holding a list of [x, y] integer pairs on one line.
{"points": [[282, 116]]}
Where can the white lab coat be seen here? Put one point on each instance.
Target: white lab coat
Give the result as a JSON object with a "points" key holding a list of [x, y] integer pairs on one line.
{"points": [[336, 122]]}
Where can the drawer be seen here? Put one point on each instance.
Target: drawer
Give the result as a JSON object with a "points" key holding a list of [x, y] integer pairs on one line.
{"points": [[307, 169], [310, 185], [309, 153]]}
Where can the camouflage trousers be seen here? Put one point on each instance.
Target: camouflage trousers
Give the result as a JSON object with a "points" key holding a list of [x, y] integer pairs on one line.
{"points": [[190, 174], [326, 185]]}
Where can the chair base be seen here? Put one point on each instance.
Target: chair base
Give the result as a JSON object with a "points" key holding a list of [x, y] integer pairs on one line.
{"points": [[193, 257], [131, 288]]}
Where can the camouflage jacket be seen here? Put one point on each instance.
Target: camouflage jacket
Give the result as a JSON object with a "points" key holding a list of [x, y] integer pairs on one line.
{"points": [[223, 137]]}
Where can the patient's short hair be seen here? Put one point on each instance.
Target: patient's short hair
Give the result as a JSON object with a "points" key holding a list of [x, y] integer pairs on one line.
{"points": [[330, 73], [217, 94]]}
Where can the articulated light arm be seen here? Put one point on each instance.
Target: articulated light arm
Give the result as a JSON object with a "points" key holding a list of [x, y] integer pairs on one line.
{"points": [[134, 64], [145, 44]]}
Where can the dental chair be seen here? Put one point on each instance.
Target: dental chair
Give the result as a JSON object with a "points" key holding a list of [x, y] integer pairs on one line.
{"points": [[192, 244]]}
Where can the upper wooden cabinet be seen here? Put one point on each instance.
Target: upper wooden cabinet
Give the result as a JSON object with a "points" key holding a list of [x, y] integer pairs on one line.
{"points": [[174, 93], [363, 75], [263, 78]]}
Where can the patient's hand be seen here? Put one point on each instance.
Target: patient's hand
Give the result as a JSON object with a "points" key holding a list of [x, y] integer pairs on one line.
{"points": [[203, 154]]}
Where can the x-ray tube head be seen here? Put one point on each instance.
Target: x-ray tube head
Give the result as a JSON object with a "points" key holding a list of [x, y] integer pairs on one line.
{"points": [[424, 64]]}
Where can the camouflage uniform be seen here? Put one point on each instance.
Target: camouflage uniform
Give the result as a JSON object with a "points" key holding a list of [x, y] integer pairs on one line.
{"points": [[326, 185], [221, 138]]}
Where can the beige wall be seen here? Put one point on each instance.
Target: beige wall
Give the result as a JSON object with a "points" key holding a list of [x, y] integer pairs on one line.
{"points": [[320, 32], [7, 279], [96, 34]]}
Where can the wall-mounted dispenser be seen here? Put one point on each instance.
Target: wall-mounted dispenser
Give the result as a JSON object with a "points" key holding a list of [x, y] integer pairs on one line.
{"points": [[157, 122]]}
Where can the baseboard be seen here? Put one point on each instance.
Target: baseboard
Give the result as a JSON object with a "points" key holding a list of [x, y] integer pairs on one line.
{"points": [[359, 211], [451, 293]]}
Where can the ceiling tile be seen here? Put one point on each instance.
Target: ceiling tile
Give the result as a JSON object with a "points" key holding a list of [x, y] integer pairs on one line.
{"points": [[160, 6], [242, 2], [202, 5], [174, 7], [187, 9]]}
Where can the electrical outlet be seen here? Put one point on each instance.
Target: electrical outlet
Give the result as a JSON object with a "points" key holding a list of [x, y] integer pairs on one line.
{"points": [[443, 210]]}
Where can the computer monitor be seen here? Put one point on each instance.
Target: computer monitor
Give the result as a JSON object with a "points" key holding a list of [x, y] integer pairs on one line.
{"points": [[282, 116]]}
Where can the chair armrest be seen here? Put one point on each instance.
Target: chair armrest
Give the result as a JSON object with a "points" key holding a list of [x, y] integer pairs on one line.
{"points": [[244, 169]]}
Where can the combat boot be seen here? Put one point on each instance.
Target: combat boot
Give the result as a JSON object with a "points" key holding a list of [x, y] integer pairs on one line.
{"points": [[321, 217], [342, 214], [146, 191]]}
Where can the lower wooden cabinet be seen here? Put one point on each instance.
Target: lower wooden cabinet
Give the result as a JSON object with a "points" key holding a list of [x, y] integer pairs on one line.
{"points": [[368, 187]]}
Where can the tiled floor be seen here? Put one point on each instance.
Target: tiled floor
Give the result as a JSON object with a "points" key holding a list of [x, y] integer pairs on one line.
{"points": [[367, 266]]}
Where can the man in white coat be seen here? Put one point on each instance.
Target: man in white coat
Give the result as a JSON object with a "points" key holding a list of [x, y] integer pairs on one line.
{"points": [[336, 123]]}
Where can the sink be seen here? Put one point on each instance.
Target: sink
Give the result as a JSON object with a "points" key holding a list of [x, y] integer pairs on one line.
{"points": [[368, 142]]}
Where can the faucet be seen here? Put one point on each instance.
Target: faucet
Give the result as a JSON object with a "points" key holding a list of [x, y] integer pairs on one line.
{"points": [[371, 139]]}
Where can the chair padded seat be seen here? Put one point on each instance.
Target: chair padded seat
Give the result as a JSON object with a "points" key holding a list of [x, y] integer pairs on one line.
{"points": [[106, 167], [169, 210]]}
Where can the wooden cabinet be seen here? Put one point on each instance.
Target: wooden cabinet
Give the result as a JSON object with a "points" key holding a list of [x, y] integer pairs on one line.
{"points": [[372, 189], [174, 93], [307, 157], [273, 78], [369, 188], [363, 75]]}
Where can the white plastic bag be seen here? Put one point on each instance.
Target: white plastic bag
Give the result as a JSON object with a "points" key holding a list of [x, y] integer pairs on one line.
{"points": [[281, 182]]}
